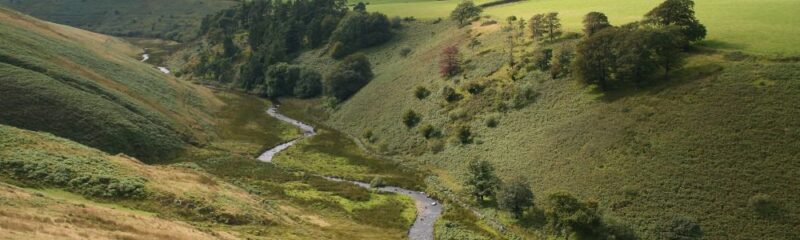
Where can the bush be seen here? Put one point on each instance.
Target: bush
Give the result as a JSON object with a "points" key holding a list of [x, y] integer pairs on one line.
{"points": [[411, 119], [377, 182], [405, 51], [350, 75], [492, 122], [450, 62], [429, 131], [421, 92], [464, 135], [450, 95]]}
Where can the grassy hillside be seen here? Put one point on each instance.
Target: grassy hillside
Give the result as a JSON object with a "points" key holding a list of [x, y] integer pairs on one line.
{"points": [[706, 144], [175, 20], [89, 193], [755, 26], [92, 89]]}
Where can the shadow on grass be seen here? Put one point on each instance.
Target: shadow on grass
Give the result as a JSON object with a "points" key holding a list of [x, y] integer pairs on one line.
{"points": [[676, 78]]}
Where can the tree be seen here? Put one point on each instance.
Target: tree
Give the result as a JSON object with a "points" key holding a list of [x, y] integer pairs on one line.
{"points": [[465, 10], [553, 25], [350, 75], [516, 197], [229, 49], [542, 58], [309, 84], [280, 80], [680, 228], [593, 22], [595, 58], [679, 13], [562, 59], [411, 118], [449, 63], [567, 215], [360, 7], [537, 26], [359, 30], [481, 179]]}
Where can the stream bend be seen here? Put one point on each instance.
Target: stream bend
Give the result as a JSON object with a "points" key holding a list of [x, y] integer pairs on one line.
{"points": [[428, 209]]}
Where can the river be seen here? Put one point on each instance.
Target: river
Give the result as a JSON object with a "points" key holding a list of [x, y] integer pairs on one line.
{"points": [[428, 209]]}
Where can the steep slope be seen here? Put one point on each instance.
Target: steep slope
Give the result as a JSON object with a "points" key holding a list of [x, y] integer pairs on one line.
{"points": [[118, 186], [176, 20], [91, 88], [707, 144]]}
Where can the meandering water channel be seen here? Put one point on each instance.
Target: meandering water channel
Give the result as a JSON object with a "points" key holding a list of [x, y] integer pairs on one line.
{"points": [[428, 209]]}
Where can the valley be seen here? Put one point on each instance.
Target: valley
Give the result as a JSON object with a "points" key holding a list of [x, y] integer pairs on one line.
{"points": [[395, 119]]}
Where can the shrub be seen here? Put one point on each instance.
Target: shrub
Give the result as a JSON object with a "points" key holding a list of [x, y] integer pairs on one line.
{"points": [[405, 51], [449, 63], [429, 131], [464, 135], [475, 88], [377, 182], [350, 75], [492, 122], [450, 95], [421, 92], [411, 119]]}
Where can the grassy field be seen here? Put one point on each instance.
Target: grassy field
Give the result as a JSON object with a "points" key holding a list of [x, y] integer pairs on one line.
{"points": [[702, 145], [755, 26], [176, 20], [92, 88]]}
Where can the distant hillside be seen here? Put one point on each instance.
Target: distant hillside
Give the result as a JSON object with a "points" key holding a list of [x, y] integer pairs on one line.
{"points": [[719, 136], [175, 19], [91, 88]]}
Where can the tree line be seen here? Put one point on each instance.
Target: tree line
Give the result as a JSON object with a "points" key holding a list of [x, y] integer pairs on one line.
{"points": [[250, 47], [632, 54]]}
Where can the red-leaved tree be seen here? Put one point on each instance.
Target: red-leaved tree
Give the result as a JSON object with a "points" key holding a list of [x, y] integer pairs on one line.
{"points": [[449, 64]]}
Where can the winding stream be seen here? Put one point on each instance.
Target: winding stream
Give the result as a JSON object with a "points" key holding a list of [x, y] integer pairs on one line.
{"points": [[428, 209]]}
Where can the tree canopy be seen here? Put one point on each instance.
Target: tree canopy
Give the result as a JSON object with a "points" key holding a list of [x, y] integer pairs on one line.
{"points": [[679, 13], [465, 11], [481, 179], [349, 76]]}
